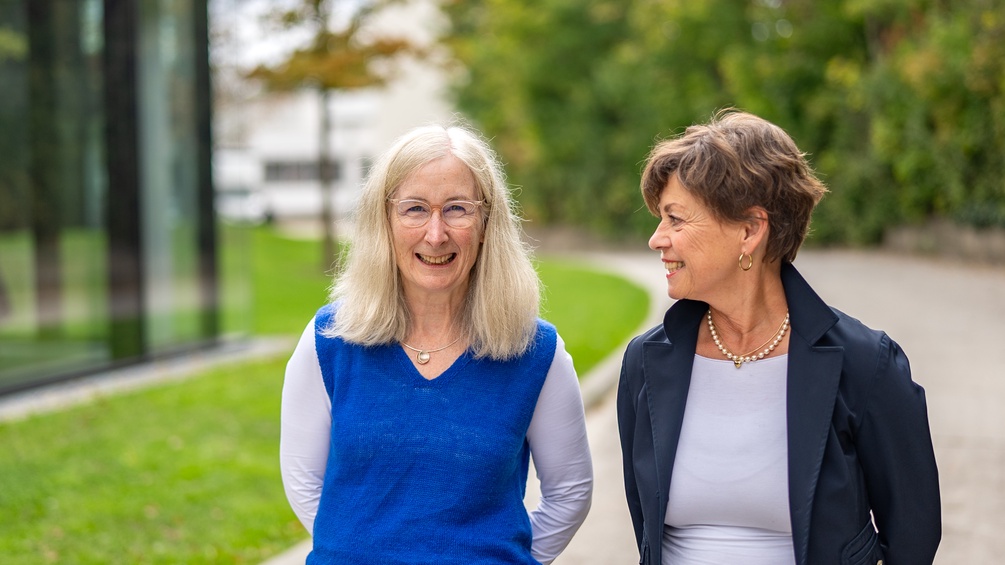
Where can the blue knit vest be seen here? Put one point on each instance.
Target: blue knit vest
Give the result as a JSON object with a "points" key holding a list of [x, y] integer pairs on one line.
{"points": [[426, 471]]}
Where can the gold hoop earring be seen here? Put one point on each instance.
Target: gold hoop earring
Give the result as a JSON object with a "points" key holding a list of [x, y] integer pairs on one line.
{"points": [[750, 262]]}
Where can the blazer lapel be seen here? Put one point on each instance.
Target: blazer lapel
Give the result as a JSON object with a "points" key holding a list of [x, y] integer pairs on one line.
{"points": [[813, 376], [667, 372]]}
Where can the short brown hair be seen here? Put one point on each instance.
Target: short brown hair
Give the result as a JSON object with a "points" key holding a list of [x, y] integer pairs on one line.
{"points": [[733, 163]]}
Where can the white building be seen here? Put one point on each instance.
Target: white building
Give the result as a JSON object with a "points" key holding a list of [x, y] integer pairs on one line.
{"points": [[267, 150]]}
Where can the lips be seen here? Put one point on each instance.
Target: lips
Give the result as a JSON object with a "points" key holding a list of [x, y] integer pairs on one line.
{"points": [[436, 259]]}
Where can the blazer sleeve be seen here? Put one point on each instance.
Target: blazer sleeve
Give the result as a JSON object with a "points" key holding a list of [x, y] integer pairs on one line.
{"points": [[626, 399], [896, 454]]}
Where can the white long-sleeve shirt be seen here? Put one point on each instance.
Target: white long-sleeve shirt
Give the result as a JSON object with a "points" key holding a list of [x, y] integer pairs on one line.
{"points": [[556, 435]]}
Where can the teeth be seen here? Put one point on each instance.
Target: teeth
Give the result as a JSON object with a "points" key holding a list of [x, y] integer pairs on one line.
{"points": [[672, 266], [441, 260]]}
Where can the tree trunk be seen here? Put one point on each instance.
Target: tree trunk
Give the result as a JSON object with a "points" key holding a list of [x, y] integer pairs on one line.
{"points": [[325, 180]]}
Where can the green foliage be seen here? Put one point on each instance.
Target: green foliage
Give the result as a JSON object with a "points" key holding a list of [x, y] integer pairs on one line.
{"points": [[13, 45], [940, 112], [900, 104]]}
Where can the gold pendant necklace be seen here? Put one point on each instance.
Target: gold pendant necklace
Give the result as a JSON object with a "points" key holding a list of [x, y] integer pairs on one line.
{"points": [[749, 357], [422, 355]]}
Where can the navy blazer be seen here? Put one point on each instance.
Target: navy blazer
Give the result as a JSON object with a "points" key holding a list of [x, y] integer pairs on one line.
{"points": [[859, 445]]}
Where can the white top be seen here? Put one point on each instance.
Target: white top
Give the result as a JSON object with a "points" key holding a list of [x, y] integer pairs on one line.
{"points": [[557, 439], [729, 495]]}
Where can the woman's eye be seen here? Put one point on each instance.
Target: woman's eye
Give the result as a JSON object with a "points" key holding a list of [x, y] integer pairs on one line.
{"points": [[674, 220], [454, 208]]}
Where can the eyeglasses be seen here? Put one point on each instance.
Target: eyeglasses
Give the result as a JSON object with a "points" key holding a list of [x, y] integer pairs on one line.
{"points": [[455, 213]]}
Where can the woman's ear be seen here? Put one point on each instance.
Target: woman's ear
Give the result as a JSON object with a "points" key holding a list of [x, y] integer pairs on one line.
{"points": [[754, 229]]}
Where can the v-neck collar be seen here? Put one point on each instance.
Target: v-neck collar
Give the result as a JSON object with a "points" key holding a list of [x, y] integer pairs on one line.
{"points": [[413, 374]]}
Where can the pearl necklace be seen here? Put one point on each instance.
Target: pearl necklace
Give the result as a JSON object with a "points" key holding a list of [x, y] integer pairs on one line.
{"points": [[422, 355], [749, 357]]}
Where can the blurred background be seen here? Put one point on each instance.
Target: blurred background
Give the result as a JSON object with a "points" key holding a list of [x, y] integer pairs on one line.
{"points": [[135, 134], [176, 175]]}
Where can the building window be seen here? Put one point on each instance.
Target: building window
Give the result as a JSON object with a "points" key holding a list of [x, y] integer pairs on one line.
{"points": [[298, 171]]}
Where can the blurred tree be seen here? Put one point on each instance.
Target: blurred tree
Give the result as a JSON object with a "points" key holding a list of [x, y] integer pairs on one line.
{"points": [[940, 110], [535, 83], [899, 103], [344, 57], [13, 120]]}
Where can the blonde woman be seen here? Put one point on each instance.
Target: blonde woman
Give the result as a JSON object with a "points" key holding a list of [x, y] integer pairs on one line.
{"points": [[415, 399]]}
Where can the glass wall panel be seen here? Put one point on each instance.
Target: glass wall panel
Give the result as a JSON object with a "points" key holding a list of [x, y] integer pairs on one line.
{"points": [[108, 253], [235, 268], [53, 314], [169, 174]]}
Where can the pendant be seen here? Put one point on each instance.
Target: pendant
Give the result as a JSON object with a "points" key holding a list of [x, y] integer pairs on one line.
{"points": [[737, 363], [422, 358]]}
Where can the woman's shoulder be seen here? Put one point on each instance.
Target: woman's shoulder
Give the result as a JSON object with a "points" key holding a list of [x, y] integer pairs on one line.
{"points": [[680, 320], [822, 324], [544, 325], [656, 333], [868, 354], [326, 311], [855, 336], [545, 332], [324, 320]]}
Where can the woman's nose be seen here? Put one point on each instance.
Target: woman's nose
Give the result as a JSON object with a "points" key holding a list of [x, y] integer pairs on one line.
{"points": [[436, 228], [657, 240]]}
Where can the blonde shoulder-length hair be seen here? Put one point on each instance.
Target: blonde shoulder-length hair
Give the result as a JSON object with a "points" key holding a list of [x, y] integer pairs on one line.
{"points": [[501, 310]]}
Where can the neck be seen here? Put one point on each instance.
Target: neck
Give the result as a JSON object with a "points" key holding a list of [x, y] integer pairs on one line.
{"points": [[744, 319], [433, 323]]}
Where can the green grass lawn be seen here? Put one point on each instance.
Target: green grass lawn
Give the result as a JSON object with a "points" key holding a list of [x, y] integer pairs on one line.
{"points": [[290, 283], [187, 472], [593, 311], [180, 473]]}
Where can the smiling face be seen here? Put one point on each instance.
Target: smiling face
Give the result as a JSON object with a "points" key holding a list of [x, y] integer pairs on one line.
{"points": [[435, 260], [698, 251]]}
